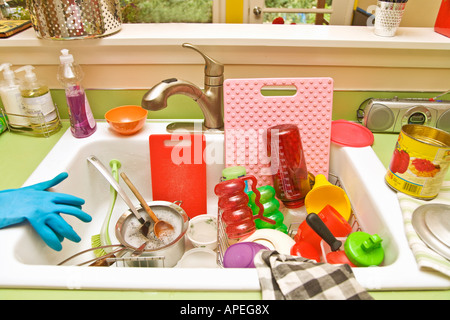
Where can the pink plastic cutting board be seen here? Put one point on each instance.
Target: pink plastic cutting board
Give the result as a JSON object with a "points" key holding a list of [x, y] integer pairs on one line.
{"points": [[247, 114]]}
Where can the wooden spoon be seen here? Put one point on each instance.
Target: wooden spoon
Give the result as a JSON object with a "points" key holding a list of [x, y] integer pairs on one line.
{"points": [[161, 228]]}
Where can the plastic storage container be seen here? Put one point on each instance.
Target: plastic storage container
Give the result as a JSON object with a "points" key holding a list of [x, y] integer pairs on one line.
{"points": [[234, 172]]}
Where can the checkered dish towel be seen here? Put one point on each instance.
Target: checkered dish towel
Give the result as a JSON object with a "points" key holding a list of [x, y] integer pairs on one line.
{"points": [[284, 277], [425, 257]]}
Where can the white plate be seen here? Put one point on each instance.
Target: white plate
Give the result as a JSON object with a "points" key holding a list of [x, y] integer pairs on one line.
{"points": [[419, 224], [198, 258], [272, 239], [437, 219]]}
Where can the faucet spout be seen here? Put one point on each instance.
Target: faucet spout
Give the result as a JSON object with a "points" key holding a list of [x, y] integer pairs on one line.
{"points": [[210, 100], [156, 99]]}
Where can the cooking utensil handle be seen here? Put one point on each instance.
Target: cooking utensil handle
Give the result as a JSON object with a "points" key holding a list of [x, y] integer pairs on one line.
{"points": [[139, 196], [100, 167], [314, 221]]}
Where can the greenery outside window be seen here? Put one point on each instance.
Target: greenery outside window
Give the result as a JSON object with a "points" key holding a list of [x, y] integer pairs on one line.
{"points": [[201, 11], [157, 11], [205, 11], [14, 10], [138, 11]]}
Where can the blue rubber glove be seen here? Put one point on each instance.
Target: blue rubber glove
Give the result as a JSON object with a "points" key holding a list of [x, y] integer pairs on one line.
{"points": [[42, 209]]}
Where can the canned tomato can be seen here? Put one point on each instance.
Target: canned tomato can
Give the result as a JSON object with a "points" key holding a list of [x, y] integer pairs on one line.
{"points": [[420, 161]]}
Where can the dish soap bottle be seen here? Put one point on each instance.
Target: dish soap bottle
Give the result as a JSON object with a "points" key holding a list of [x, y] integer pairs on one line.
{"points": [[38, 103], [12, 99], [82, 122]]}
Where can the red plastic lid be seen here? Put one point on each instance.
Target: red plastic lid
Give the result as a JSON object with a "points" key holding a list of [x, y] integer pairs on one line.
{"points": [[350, 134]]}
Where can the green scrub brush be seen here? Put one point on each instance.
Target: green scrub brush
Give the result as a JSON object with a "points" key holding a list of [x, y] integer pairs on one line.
{"points": [[103, 238]]}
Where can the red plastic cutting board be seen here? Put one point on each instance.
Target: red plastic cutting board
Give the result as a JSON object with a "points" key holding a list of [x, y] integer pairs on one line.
{"points": [[178, 170]]}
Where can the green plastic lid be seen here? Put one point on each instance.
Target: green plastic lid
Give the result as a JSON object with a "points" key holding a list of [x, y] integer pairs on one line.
{"points": [[363, 249], [233, 172]]}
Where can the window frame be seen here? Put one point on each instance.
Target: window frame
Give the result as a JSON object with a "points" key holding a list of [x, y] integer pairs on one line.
{"points": [[341, 11]]}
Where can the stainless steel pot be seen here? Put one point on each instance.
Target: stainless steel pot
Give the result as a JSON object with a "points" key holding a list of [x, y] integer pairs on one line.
{"points": [[166, 255]]}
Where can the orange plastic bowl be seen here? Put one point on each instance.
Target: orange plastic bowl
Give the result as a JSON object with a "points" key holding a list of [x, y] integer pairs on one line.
{"points": [[126, 120]]}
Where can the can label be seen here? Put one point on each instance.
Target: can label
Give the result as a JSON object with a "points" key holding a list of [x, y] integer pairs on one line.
{"points": [[418, 167]]}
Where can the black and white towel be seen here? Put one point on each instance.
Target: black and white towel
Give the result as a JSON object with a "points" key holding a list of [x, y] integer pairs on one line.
{"points": [[285, 277]]}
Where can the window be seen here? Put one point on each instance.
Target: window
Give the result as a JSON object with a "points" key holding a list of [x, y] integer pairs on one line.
{"points": [[14, 10], [148, 11], [157, 11], [318, 12], [221, 11]]}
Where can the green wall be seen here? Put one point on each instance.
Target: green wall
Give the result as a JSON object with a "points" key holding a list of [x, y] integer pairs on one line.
{"points": [[345, 103]]}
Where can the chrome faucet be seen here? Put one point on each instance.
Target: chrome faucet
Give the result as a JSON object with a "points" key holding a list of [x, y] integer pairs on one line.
{"points": [[210, 100]]}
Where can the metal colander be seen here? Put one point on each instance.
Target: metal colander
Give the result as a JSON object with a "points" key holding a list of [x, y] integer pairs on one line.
{"points": [[75, 19]]}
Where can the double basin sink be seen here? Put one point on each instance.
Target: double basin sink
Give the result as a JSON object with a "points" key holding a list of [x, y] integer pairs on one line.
{"points": [[27, 262]]}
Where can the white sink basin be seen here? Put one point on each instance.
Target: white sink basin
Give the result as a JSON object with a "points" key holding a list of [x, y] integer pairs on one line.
{"points": [[28, 263]]}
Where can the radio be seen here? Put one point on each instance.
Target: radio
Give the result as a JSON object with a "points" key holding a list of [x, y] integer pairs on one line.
{"points": [[389, 115]]}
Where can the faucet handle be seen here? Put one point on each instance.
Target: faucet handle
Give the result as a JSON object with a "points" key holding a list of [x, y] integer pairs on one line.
{"points": [[213, 68]]}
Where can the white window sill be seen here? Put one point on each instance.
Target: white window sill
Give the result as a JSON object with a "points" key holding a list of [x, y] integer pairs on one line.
{"points": [[238, 36], [244, 48]]}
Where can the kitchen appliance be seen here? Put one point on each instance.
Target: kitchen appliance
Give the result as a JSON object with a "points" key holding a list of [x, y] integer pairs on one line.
{"points": [[389, 115]]}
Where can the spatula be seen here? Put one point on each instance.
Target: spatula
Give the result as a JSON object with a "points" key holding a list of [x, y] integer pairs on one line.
{"points": [[100, 167]]}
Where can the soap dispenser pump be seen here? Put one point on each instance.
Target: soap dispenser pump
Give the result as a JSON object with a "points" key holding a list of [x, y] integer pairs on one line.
{"points": [[39, 105], [12, 99], [82, 122]]}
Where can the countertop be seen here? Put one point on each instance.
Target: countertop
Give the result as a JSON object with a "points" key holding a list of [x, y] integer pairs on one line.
{"points": [[20, 156]]}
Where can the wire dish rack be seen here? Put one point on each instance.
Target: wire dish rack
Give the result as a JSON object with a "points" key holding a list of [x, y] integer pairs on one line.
{"points": [[120, 258], [224, 242], [37, 126], [136, 262]]}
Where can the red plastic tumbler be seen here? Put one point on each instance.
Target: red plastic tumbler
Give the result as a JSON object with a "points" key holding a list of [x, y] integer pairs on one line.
{"points": [[288, 164]]}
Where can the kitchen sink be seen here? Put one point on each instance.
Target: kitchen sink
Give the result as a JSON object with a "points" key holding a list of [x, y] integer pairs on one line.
{"points": [[27, 262]]}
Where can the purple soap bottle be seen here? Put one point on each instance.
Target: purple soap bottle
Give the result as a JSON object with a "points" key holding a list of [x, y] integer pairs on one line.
{"points": [[82, 122]]}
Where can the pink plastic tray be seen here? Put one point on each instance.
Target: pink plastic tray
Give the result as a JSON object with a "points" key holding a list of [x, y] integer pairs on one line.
{"points": [[247, 114]]}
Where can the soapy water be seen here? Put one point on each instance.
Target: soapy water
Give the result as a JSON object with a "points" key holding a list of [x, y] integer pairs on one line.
{"points": [[135, 238]]}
